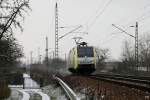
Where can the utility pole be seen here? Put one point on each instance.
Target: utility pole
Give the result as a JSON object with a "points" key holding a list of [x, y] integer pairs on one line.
{"points": [[57, 38], [46, 50], [56, 32], [31, 58], [31, 61], [136, 42], [39, 56], [136, 46]]}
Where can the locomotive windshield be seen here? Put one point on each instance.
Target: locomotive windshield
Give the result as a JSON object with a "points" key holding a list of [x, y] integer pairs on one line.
{"points": [[85, 51]]}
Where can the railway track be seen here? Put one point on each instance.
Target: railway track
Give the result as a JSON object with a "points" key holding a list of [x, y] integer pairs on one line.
{"points": [[111, 87], [140, 83]]}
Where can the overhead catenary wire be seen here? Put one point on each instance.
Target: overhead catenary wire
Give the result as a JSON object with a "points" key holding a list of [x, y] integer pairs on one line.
{"points": [[99, 14], [91, 17], [70, 32], [109, 39], [71, 26], [135, 17], [143, 16], [111, 36]]}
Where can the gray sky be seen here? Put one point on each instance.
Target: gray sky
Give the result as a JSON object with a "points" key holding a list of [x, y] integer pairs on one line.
{"points": [[96, 16]]}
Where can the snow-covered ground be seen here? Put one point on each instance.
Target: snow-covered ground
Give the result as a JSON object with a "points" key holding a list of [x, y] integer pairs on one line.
{"points": [[29, 83], [25, 93], [15, 95], [55, 93], [44, 96], [51, 92], [15, 86]]}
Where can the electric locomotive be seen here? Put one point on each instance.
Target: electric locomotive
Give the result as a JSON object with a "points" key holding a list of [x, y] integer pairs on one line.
{"points": [[82, 59]]}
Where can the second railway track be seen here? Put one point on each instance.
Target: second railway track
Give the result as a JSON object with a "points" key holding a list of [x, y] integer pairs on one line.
{"points": [[140, 83], [111, 87]]}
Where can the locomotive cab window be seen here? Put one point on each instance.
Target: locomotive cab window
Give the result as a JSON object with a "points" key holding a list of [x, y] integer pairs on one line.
{"points": [[85, 51]]}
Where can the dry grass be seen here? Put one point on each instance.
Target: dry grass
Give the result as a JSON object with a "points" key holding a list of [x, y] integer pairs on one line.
{"points": [[104, 90]]}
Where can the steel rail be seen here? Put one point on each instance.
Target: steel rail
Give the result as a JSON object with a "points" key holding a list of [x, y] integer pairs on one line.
{"points": [[67, 89], [142, 80], [131, 82]]}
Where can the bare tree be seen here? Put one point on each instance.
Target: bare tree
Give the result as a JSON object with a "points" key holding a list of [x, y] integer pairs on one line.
{"points": [[128, 58], [11, 15], [102, 55], [144, 51], [128, 54]]}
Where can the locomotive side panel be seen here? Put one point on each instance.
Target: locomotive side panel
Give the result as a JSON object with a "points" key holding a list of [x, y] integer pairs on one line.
{"points": [[72, 60]]}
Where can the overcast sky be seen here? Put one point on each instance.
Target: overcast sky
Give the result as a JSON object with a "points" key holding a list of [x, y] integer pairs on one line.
{"points": [[96, 16]]}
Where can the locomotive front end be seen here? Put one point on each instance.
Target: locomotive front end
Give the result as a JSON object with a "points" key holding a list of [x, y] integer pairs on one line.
{"points": [[86, 59]]}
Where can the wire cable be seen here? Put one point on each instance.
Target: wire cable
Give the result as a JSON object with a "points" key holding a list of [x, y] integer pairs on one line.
{"points": [[101, 12], [111, 36], [90, 18], [142, 17]]}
